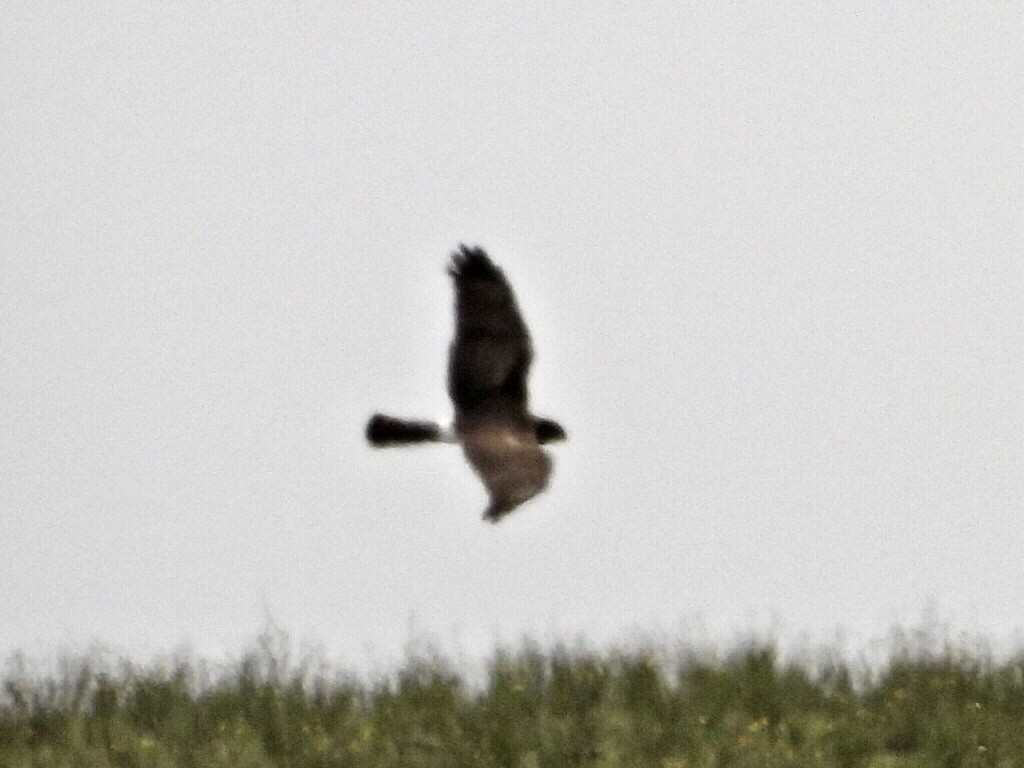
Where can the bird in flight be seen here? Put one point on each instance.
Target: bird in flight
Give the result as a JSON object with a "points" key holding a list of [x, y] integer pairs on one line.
{"points": [[488, 363]]}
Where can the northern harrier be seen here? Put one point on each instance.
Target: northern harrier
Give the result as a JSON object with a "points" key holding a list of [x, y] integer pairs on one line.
{"points": [[488, 363]]}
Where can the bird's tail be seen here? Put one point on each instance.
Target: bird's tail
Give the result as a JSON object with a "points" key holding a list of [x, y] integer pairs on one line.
{"points": [[383, 431]]}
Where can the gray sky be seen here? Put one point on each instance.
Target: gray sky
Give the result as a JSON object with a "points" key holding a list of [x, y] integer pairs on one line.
{"points": [[771, 260]]}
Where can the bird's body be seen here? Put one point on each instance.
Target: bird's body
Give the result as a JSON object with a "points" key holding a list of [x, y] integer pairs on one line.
{"points": [[488, 364]]}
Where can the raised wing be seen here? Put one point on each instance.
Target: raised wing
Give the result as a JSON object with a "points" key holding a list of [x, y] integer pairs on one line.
{"points": [[490, 356]]}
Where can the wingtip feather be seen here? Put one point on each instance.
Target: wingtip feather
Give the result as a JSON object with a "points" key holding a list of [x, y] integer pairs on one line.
{"points": [[472, 262]]}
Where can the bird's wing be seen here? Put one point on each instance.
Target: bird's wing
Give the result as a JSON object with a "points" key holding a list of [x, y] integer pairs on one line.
{"points": [[490, 356], [511, 464]]}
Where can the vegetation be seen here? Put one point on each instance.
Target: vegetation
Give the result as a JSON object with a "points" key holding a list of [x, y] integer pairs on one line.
{"points": [[532, 709]]}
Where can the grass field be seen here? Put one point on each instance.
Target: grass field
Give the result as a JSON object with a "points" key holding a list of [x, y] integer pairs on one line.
{"points": [[533, 708]]}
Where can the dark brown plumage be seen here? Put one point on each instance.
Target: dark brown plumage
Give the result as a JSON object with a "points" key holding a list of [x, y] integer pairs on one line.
{"points": [[488, 365]]}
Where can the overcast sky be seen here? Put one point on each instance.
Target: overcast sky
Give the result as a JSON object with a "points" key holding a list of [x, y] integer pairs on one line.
{"points": [[772, 259]]}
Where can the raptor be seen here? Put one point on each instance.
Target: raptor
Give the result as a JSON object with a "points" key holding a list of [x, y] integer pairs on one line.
{"points": [[488, 365]]}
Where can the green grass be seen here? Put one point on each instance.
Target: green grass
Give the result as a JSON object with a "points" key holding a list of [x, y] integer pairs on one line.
{"points": [[533, 708]]}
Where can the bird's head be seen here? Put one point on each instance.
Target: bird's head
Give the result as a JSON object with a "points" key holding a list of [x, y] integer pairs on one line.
{"points": [[548, 431]]}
